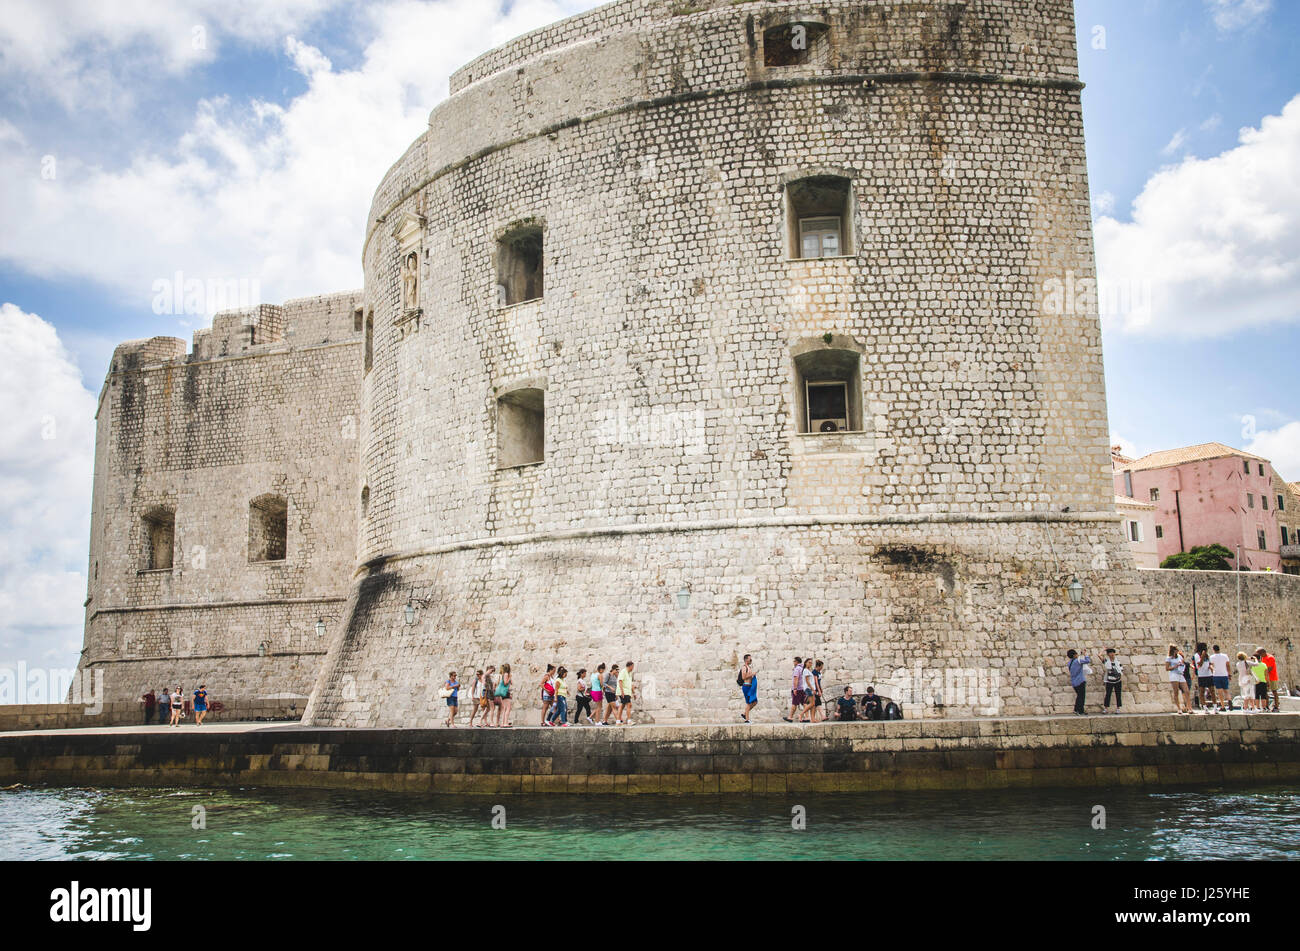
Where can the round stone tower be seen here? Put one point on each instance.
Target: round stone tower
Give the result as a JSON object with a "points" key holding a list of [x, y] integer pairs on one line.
{"points": [[702, 330]]}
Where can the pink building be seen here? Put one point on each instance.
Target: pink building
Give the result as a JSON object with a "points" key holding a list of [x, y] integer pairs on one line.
{"points": [[1208, 495]]}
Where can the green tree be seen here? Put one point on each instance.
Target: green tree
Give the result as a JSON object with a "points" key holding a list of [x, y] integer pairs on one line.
{"points": [[1204, 558]]}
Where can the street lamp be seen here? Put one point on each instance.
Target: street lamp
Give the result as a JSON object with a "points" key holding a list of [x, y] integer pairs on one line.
{"points": [[683, 598], [1076, 591], [410, 612]]}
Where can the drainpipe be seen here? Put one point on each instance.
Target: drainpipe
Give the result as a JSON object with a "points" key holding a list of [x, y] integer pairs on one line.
{"points": [[1196, 624], [1178, 507], [1238, 593]]}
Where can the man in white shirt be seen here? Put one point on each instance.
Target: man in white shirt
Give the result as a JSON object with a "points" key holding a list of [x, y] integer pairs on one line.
{"points": [[1221, 671]]}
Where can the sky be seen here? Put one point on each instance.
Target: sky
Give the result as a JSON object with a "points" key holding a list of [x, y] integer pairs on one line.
{"points": [[237, 143]]}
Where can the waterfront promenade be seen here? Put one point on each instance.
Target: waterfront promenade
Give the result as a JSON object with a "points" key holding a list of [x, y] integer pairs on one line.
{"points": [[1040, 752]]}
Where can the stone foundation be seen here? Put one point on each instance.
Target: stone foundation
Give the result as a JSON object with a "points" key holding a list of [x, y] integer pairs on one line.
{"points": [[955, 755]]}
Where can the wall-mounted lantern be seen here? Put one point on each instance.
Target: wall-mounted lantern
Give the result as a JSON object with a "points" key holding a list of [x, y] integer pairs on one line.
{"points": [[683, 598], [1076, 591], [261, 649], [413, 604]]}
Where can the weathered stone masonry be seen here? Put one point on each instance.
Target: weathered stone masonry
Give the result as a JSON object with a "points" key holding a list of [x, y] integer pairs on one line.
{"points": [[263, 410], [660, 155], [574, 392]]}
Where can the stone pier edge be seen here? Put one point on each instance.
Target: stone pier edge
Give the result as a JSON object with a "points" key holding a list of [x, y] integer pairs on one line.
{"points": [[1141, 751]]}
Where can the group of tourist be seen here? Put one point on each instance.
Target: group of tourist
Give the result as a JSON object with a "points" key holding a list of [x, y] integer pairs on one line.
{"points": [[172, 706], [807, 699], [602, 697], [1256, 676]]}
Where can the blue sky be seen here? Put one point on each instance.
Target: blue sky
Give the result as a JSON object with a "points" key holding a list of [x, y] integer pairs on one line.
{"points": [[242, 140]]}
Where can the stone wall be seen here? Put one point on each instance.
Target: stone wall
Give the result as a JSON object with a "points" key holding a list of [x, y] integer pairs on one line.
{"points": [[265, 406], [77, 716], [865, 757], [656, 149], [1270, 613]]}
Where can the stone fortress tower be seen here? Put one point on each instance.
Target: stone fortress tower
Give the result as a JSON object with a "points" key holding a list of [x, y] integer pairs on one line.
{"points": [[698, 330], [224, 505], [687, 331]]}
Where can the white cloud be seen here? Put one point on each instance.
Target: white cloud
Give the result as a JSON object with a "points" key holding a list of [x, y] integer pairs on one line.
{"points": [[1176, 143], [1104, 203], [1214, 244], [1212, 123], [257, 191], [1281, 447], [1232, 15], [46, 453], [87, 53]]}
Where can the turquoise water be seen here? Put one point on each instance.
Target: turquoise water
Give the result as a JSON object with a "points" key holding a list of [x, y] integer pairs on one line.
{"points": [[1257, 823]]}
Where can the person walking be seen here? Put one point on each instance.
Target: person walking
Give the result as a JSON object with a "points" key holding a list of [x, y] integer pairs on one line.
{"points": [[1176, 668], [1221, 677], [548, 694], [452, 691], [819, 700], [505, 691], [796, 690], [597, 684], [560, 711], [611, 696], [1259, 670], [150, 701], [491, 702], [583, 701], [1273, 683], [626, 693], [1245, 682], [809, 693], [748, 681], [476, 698], [1204, 676], [1077, 668], [164, 706], [178, 706], [200, 704], [1113, 678]]}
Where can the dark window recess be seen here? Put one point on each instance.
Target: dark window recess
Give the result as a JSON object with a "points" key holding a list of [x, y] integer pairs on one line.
{"points": [[828, 388], [1263, 540], [797, 44], [520, 266], [159, 530], [370, 342], [819, 217], [521, 428], [1160, 531], [268, 529]]}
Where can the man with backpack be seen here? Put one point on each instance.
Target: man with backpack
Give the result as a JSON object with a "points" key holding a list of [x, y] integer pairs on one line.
{"points": [[747, 681], [1270, 662], [1078, 670]]}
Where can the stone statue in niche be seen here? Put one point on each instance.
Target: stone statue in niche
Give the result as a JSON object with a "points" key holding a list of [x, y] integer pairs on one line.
{"points": [[410, 282]]}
